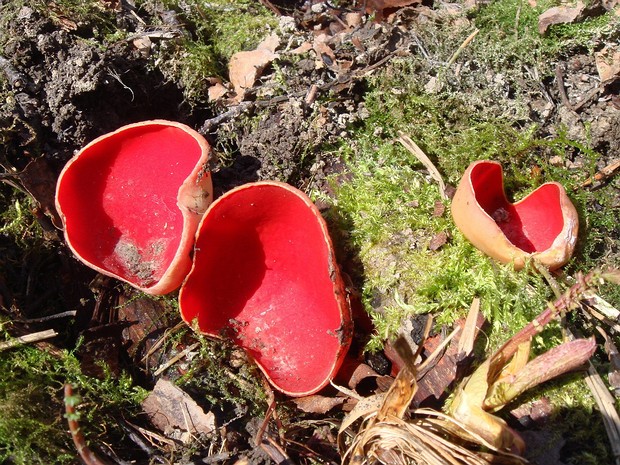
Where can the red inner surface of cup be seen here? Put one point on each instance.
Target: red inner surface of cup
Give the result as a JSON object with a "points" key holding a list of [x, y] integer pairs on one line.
{"points": [[531, 224], [262, 276], [119, 198]]}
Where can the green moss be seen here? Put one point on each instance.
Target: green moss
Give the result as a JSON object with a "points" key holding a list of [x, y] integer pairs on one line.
{"points": [[392, 208], [32, 429], [217, 30], [222, 376]]}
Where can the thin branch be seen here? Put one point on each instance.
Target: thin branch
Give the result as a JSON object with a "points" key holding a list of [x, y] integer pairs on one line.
{"points": [[33, 337]]}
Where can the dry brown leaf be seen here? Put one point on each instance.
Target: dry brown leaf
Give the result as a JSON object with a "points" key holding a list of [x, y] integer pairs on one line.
{"points": [[438, 241], [560, 15], [244, 68], [353, 19], [303, 48], [324, 54], [352, 372], [39, 181], [172, 410], [217, 91], [318, 404], [378, 7], [608, 64]]}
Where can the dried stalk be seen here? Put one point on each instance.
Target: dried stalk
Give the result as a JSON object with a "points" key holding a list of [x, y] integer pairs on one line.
{"points": [[87, 455], [33, 337]]}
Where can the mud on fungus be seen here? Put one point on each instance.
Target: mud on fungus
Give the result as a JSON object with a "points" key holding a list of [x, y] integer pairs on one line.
{"points": [[265, 275], [131, 201], [543, 225]]}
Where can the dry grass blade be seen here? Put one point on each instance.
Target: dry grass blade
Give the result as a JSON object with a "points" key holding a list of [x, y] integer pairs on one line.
{"points": [[606, 404], [429, 438], [416, 151]]}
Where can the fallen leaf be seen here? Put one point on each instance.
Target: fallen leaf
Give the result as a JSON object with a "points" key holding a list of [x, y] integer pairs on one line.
{"points": [[608, 64], [560, 15], [439, 209], [244, 68], [352, 372], [438, 241], [171, 409], [303, 48], [325, 55], [217, 91], [378, 7], [353, 19], [39, 181], [318, 404]]}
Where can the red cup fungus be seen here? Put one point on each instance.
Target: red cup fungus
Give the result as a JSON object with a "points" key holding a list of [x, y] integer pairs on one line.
{"points": [[542, 226], [265, 275], [131, 202]]}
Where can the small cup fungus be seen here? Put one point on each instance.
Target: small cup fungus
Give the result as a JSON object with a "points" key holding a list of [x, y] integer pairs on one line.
{"points": [[131, 201], [265, 274], [542, 226]]}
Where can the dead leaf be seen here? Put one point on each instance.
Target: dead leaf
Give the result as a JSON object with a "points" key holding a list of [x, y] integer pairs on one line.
{"points": [[172, 410], [217, 91], [608, 64], [352, 372], [244, 68], [303, 48], [353, 19], [318, 404], [439, 209], [325, 55], [560, 15], [378, 7], [38, 180], [438, 241]]}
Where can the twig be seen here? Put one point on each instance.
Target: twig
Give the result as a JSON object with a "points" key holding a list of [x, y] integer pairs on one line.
{"points": [[592, 93], [33, 337], [459, 50], [559, 79], [51, 317], [226, 116], [87, 455], [603, 174]]}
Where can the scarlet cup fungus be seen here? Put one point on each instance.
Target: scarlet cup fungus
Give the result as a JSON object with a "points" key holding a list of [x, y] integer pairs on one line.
{"points": [[265, 275], [131, 201], [542, 226]]}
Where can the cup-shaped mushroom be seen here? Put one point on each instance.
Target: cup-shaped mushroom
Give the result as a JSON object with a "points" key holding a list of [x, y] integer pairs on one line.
{"points": [[131, 202], [542, 226], [265, 276]]}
